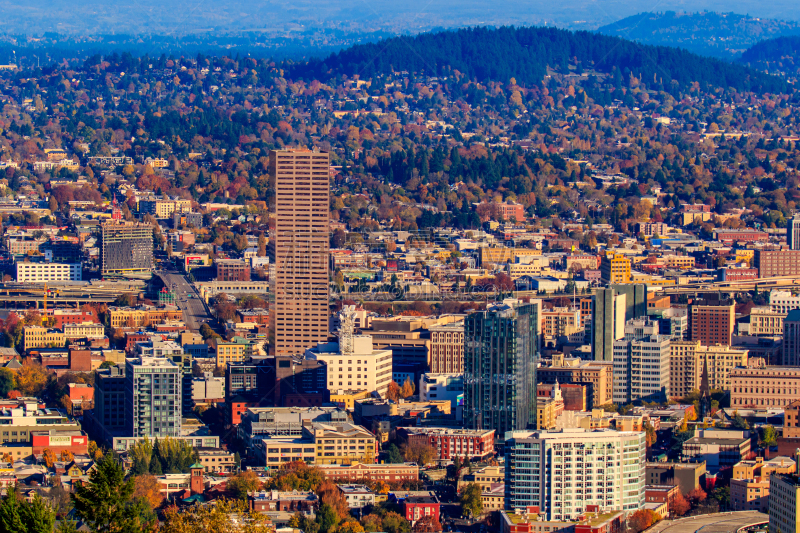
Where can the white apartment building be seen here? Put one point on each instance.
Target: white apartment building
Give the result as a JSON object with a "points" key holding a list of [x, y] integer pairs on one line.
{"points": [[641, 363], [45, 272], [441, 387], [563, 471], [783, 301], [354, 365]]}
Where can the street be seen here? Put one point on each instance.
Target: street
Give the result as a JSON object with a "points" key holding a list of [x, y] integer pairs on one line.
{"points": [[186, 298]]}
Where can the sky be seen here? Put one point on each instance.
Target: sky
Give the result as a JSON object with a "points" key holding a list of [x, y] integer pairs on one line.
{"points": [[179, 17]]}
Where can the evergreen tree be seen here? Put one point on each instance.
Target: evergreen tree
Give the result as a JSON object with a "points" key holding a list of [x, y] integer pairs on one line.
{"points": [[106, 502], [19, 516]]}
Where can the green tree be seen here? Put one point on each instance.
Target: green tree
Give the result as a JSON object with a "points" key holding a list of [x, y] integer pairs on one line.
{"points": [[327, 518], [471, 504], [6, 381], [106, 502], [395, 523], [738, 422], [19, 516], [723, 497], [393, 454], [768, 436]]}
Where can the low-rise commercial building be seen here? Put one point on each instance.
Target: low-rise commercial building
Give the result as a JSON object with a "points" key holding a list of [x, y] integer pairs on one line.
{"points": [[719, 448], [450, 443], [48, 272], [375, 472]]}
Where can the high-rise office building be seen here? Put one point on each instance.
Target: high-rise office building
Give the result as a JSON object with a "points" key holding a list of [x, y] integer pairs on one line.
{"points": [[608, 322], [791, 339], [152, 397], [561, 472], [641, 363], [501, 347], [635, 299], [298, 249], [793, 232], [126, 248], [712, 322], [108, 416]]}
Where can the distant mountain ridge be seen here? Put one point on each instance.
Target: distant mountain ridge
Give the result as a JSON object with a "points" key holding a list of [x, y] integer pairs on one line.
{"points": [[722, 35], [781, 55], [526, 53]]}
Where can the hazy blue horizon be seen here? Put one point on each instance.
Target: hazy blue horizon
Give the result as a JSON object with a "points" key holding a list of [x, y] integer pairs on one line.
{"points": [[274, 17]]}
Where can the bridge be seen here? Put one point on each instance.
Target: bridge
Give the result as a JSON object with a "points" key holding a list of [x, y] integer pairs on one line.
{"points": [[731, 522]]}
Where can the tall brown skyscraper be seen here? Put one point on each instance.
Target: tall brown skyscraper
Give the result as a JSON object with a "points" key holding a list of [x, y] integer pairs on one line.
{"points": [[299, 234]]}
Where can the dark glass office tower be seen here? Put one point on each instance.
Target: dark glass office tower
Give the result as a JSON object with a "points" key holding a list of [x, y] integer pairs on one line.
{"points": [[501, 346]]}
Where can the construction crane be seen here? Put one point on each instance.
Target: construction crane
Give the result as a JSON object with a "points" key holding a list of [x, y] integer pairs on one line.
{"points": [[45, 292]]}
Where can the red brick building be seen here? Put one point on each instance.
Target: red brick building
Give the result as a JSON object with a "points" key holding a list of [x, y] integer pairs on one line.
{"points": [[741, 235], [772, 263], [254, 316], [450, 443], [232, 270], [69, 316], [384, 472], [711, 324], [737, 274], [415, 507], [132, 338]]}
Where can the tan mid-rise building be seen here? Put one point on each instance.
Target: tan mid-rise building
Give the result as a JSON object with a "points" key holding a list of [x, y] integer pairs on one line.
{"points": [[355, 365], [687, 359], [560, 321], [446, 348], [298, 249], [615, 268], [765, 321], [39, 337], [759, 386], [597, 374]]}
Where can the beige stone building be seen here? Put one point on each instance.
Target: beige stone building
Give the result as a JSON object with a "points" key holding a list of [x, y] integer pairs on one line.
{"points": [[598, 374], [765, 321], [230, 352], [687, 359], [217, 460], [446, 348], [356, 366], [342, 444], [84, 329], [298, 249], [122, 317], [39, 337], [764, 386], [560, 321]]}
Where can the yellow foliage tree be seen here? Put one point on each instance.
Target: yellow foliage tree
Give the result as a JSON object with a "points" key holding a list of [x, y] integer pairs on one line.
{"points": [[31, 378], [224, 516], [147, 488]]}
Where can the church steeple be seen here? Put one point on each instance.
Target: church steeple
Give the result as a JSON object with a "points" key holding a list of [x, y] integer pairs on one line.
{"points": [[705, 392]]}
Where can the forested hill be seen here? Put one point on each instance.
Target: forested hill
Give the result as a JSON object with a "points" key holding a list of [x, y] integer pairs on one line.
{"points": [[723, 35], [776, 55], [525, 53]]}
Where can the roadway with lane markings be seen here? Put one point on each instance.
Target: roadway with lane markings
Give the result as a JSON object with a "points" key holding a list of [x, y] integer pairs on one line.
{"points": [[187, 299], [711, 523]]}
